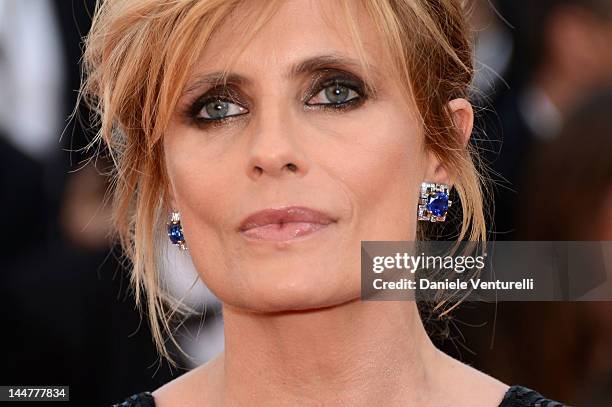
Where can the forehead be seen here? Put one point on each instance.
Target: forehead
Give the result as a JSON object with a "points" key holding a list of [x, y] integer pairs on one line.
{"points": [[297, 31]]}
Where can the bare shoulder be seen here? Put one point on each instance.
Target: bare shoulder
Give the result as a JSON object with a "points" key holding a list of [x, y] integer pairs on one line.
{"points": [[194, 388], [475, 387]]}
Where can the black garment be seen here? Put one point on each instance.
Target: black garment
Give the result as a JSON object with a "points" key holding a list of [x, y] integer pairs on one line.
{"points": [[516, 396]]}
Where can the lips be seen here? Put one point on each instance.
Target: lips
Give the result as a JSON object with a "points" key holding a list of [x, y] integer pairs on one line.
{"points": [[284, 223]]}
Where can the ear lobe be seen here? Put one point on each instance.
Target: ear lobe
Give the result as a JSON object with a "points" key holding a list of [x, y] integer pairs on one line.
{"points": [[436, 172]]}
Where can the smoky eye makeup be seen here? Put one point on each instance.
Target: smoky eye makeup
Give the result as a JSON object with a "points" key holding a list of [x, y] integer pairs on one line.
{"points": [[217, 105], [329, 89], [334, 89]]}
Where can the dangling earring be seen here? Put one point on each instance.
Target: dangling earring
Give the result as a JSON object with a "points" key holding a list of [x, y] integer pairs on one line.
{"points": [[175, 230], [433, 202]]}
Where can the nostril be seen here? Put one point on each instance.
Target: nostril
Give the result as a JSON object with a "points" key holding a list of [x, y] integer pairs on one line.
{"points": [[292, 167]]}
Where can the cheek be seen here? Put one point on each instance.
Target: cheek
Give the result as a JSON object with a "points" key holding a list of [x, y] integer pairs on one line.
{"points": [[199, 176], [204, 184], [382, 172]]}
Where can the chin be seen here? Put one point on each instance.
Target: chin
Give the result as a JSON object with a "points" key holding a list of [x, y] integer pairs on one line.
{"points": [[278, 289]]}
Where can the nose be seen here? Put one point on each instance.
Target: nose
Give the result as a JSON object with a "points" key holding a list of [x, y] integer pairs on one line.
{"points": [[274, 149]]}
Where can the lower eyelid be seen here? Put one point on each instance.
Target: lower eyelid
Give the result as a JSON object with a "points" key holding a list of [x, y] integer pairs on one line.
{"points": [[213, 123], [352, 100]]}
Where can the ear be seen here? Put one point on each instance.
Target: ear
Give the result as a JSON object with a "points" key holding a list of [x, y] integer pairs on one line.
{"points": [[463, 120]]}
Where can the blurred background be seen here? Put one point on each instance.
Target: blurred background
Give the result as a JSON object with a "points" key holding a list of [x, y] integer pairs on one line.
{"points": [[543, 97]]}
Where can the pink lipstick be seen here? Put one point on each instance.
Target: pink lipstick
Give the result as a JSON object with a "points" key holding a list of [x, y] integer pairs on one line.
{"points": [[284, 223]]}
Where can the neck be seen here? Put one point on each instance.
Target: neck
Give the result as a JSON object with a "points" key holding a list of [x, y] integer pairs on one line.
{"points": [[366, 352]]}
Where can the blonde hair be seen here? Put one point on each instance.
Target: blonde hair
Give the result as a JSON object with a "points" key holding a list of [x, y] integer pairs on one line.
{"points": [[138, 55]]}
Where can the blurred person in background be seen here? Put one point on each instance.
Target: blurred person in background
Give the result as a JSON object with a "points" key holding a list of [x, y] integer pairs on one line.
{"points": [[563, 53], [578, 205], [568, 196], [32, 80], [562, 56]]}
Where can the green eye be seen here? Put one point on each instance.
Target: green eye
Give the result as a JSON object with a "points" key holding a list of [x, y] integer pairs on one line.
{"points": [[215, 109], [335, 94]]}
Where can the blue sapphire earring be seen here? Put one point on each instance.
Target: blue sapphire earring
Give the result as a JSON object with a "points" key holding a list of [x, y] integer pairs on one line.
{"points": [[175, 230], [433, 202]]}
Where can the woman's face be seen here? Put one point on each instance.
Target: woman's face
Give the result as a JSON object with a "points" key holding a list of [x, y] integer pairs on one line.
{"points": [[361, 163]]}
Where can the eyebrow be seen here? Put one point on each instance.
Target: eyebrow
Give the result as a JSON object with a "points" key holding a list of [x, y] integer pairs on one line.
{"points": [[305, 66]]}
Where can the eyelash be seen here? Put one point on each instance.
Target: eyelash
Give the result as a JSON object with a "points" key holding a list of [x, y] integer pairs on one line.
{"points": [[354, 85]]}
